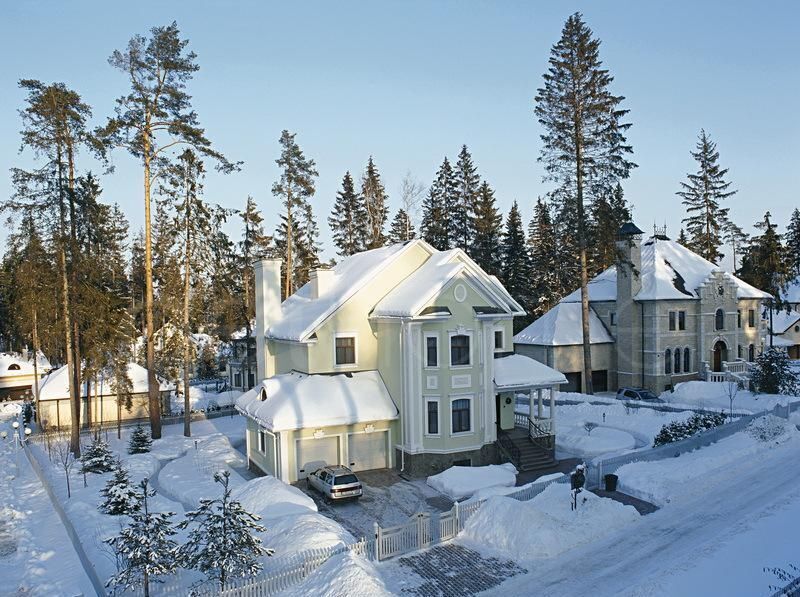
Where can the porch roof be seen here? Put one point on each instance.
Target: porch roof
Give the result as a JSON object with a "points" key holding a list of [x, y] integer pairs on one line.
{"points": [[300, 401], [517, 371]]}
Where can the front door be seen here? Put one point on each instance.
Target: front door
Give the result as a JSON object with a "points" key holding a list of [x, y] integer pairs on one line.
{"points": [[720, 355]]}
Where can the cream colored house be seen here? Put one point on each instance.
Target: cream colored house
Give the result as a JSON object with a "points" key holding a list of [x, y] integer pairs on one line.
{"points": [[390, 359], [663, 316]]}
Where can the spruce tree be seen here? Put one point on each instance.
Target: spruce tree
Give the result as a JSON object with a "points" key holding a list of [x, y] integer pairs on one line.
{"points": [[584, 147], [516, 274], [348, 220], [488, 232], [683, 240], [97, 457], [543, 249], [702, 193], [608, 215], [467, 184], [223, 544], [139, 442], [308, 245], [120, 495], [295, 188], [401, 229], [437, 209], [375, 202], [737, 239], [764, 263], [144, 549], [792, 239]]}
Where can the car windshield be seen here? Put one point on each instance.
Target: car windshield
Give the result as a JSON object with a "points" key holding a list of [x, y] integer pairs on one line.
{"points": [[345, 480], [647, 395]]}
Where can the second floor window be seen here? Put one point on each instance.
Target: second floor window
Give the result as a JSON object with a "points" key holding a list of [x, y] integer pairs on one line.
{"points": [[498, 339], [751, 318], [459, 350], [719, 320], [461, 416], [431, 351], [668, 362], [672, 321], [346, 350], [738, 318], [681, 320]]}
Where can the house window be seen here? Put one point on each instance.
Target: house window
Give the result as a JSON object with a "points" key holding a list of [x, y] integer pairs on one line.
{"points": [[672, 321], [251, 380], [751, 353], [345, 350], [461, 414], [613, 317], [739, 351], [719, 320], [432, 414], [751, 318], [498, 339], [687, 360], [677, 355], [738, 318], [459, 350], [237, 380], [681, 320], [262, 442], [667, 362], [432, 351]]}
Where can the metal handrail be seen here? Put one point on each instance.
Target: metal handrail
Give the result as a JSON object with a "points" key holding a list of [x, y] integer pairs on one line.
{"points": [[507, 445]]}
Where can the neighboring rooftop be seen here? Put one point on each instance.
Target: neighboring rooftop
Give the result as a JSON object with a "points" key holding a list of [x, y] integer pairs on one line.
{"points": [[561, 326], [517, 371], [56, 384], [13, 365], [782, 320]]}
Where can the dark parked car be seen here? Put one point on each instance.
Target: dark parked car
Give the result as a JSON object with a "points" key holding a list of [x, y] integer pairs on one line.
{"points": [[637, 394]]}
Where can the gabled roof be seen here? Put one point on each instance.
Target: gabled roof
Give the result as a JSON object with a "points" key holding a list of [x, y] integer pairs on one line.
{"points": [[783, 320], [301, 314], [13, 365], [561, 326], [409, 297], [603, 287], [56, 384]]}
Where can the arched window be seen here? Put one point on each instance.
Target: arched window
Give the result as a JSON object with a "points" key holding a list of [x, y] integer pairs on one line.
{"points": [[687, 360], [677, 360], [751, 353], [667, 362], [719, 320], [13, 367], [739, 351]]}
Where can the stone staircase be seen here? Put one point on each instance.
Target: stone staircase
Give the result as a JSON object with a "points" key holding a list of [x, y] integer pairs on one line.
{"points": [[527, 456]]}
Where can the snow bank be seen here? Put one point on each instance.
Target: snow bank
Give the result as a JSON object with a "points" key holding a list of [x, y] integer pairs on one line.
{"points": [[661, 480], [714, 396], [270, 498], [342, 575], [289, 535], [460, 482], [488, 492], [545, 527], [603, 440]]}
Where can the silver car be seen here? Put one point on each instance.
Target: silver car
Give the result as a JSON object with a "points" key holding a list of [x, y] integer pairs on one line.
{"points": [[335, 482]]}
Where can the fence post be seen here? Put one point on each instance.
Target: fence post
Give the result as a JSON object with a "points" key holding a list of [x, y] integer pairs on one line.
{"points": [[377, 541], [457, 517]]}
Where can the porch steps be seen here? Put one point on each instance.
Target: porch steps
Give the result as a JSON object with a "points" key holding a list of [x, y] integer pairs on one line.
{"points": [[532, 457]]}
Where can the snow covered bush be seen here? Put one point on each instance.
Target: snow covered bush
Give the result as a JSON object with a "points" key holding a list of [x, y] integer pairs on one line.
{"points": [[767, 429], [773, 374], [121, 497], [140, 442], [223, 544], [589, 427], [697, 423], [97, 457]]}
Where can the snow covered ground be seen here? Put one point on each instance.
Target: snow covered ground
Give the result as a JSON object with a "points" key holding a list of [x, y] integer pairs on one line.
{"points": [[714, 396], [461, 482]]}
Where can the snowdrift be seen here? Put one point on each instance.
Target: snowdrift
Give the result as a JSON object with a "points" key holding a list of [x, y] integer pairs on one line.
{"points": [[460, 482], [269, 497]]}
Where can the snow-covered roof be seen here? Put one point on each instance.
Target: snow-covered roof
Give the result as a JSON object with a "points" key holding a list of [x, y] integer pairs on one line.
{"points": [[561, 326], [668, 271], [518, 371], [780, 342], [301, 314], [409, 297], [783, 320], [299, 401], [12, 365], [56, 384]]}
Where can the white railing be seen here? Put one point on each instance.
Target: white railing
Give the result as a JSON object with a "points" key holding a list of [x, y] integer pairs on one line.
{"points": [[735, 366]]}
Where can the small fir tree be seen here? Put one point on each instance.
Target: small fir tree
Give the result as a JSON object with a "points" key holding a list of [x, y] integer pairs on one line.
{"points": [[773, 374], [543, 248], [764, 262], [467, 183], [120, 495], [516, 275], [375, 201], [144, 549], [792, 238], [348, 219], [97, 457], [437, 209], [140, 442], [223, 544], [402, 229], [608, 215], [487, 232]]}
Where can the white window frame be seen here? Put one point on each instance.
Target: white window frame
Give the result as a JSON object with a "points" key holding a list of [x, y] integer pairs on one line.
{"points": [[237, 379], [471, 398], [470, 335], [352, 335], [612, 318], [262, 441], [502, 346], [427, 335], [437, 400]]}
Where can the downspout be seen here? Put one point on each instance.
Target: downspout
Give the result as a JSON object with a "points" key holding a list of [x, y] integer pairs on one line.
{"points": [[641, 305], [403, 399]]}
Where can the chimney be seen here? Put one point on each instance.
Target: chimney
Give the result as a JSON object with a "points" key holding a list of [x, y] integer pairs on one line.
{"points": [[628, 332], [321, 280], [268, 307]]}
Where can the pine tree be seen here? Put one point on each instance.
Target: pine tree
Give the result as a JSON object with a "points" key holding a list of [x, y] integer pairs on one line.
{"points": [[437, 209], [223, 544], [737, 239], [139, 442], [144, 549], [543, 249], [402, 229], [702, 192], [792, 239], [764, 263], [308, 245], [97, 457], [584, 146], [608, 215], [295, 189], [774, 374], [376, 204], [120, 495], [348, 220], [516, 274], [682, 239], [467, 183], [488, 232]]}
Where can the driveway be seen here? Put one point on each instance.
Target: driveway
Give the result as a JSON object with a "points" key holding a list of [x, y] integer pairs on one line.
{"points": [[388, 499]]}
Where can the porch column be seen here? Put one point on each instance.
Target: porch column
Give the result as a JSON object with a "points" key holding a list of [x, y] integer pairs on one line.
{"points": [[539, 405], [553, 409]]}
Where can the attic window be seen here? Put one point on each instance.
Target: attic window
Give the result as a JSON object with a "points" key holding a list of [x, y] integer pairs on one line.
{"points": [[482, 310], [435, 310], [262, 395], [13, 367]]}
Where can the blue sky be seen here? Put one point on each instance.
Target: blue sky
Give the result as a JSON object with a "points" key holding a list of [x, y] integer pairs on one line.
{"points": [[409, 82]]}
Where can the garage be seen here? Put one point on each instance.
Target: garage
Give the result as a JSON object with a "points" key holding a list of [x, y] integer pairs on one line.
{"points": [[368, 451], [600, 381], [314, 453], [573, 382]]}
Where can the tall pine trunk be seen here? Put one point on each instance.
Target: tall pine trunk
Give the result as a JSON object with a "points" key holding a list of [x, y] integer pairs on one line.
{"points": [[154, 402], [73, 297], [36, 349], [187, 418], [587, 340], [247, 330], [289, 262]]}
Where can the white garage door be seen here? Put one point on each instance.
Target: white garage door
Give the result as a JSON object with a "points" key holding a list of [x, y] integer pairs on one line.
{"points": [[316, 453], [368, 450]]}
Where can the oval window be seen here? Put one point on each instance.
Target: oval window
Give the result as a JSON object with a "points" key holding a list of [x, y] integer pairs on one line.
{"points": [[460, 293]]}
